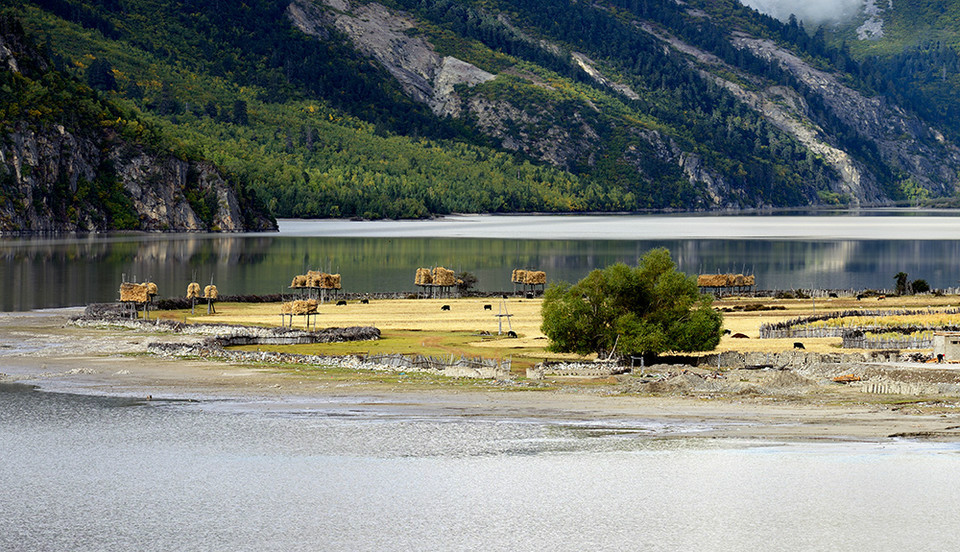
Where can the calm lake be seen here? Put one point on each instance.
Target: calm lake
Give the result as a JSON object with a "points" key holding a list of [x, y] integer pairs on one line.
{"points": [[784, 252], [108, 473]]}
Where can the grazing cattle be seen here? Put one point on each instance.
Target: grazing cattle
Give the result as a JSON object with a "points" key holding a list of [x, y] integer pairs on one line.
{"points": [[859, 296], [798, 345], [488, 307], [445, 307], [833, 295], [511, 333], [881, 297], [739, 336], [364, 301], [341, 303], [529, 296], [726, 332]]}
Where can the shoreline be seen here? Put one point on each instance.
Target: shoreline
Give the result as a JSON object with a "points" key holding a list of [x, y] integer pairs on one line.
{"points": [[37, 348]]}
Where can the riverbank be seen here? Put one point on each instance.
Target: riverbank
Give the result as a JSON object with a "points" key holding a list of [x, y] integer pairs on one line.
{"points": [[41, 349]]}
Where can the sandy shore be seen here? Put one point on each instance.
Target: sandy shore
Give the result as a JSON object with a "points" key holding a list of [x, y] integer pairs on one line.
{"points": [[41, 349]]}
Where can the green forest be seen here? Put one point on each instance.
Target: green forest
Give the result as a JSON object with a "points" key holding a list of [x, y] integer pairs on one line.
{"points": [[313, 128]]}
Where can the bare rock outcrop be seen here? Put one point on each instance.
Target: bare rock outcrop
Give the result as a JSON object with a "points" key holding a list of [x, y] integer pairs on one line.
{"points": [[382, 34], [902, 139]]}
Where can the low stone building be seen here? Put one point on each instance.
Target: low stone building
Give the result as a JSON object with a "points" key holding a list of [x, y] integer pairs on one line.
{"points": [[946, 344]]}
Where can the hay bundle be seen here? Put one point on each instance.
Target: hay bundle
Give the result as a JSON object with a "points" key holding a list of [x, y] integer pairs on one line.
{"points": [[299, 307], [423, 278], [750, 280], [136, 293], [299, 281], [712, 280], [210, 292], [313, 279], [193, 290], [334, 281], [444, 277], [536, 277], [738, 280], [152, 289], [519, 276]]}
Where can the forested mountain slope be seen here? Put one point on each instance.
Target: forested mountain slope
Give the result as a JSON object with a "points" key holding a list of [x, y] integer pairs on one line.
{"points": [[70, 161], [407, 108]]}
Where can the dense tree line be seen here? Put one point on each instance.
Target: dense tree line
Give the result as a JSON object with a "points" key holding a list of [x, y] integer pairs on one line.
{"points": [[235, 80]]}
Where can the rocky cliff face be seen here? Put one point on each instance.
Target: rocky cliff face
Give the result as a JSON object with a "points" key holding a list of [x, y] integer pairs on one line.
{"points": [[562, 132], [47, 175], [63, 177], [904, 142]]}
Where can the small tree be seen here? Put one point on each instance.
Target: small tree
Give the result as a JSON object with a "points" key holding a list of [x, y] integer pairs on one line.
{"points": [[648, 309], [920, 286], [466, 281], [100, 75], [902, 279]]}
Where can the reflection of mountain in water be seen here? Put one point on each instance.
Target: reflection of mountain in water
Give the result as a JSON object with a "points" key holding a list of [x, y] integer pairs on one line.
{"points": [[49, 273]]}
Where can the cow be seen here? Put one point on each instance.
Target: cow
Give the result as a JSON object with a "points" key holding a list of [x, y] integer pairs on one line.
{"points": [[832, 295], [881, 297], [364, 301], [798, 345], [511, 333], [445, 307], [341, 303], [488, 307], [726, 332]]}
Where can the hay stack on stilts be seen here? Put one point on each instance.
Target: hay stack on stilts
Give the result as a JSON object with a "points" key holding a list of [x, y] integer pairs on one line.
{"points": [[210, 293], [529, 280], [314, 284], [423, 280], [193, 293], [720, 282], [299, 307], [134, 295]]}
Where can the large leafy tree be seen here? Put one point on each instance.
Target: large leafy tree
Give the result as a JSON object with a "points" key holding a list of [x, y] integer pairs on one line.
{"points": [[648, 309]]}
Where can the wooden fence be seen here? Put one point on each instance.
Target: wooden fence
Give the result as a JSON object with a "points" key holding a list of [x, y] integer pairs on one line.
{"points": [[422, 362], [856, 340]]}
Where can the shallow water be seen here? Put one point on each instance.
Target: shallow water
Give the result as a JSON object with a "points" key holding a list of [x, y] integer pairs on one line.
{"points": [[94, 473], [825, 252]]}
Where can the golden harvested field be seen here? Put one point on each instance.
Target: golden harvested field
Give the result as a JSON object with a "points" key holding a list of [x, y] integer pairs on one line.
{"points": [[409, 326], [412, 325]]}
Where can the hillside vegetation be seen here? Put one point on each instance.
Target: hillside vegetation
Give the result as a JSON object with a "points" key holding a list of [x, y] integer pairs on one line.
{"points": [[410, 108]]}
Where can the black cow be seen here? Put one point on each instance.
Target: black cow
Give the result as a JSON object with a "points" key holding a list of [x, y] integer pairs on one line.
{"points": [[511, 333], [833, 295], [341, 303], [798, 345], [726, 332], [445, 307], [364, 301], [488, 307]]}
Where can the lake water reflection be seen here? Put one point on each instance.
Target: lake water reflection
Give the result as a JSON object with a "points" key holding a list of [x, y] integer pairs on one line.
{"points": [[840, 252]]}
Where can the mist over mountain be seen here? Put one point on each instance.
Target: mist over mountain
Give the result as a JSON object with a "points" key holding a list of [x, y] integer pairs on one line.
{"points": [[813, 13]]}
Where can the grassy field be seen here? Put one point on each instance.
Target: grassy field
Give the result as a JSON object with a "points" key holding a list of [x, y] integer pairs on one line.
{"points": [[411, 326]]}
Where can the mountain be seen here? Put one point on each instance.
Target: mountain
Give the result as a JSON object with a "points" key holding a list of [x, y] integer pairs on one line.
{"points": [[408, 108], [70, 161]]}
